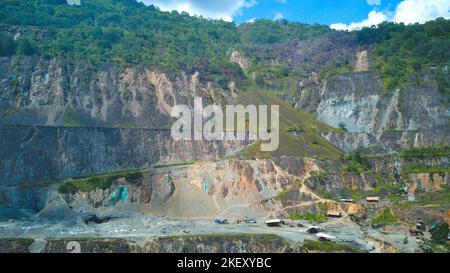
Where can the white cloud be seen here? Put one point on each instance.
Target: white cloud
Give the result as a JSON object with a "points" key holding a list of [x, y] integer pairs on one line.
{"points": [[407, 11], [216, 9], [278, 16], [251, 20], [421, 11], [374, 18]]}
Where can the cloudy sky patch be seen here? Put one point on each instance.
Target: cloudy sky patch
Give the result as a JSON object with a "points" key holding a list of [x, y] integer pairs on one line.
{"points": [[216, 9], [339, 14], [407, 11]]}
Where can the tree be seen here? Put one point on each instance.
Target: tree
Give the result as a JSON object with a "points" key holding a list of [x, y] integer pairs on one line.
{"points": [[439, 233], [405, 240], [342, 126], [26, 47], [7, 44], [259, 80]]}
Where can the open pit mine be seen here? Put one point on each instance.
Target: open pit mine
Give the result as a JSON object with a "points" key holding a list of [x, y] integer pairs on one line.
{"points": [[88, 162]]}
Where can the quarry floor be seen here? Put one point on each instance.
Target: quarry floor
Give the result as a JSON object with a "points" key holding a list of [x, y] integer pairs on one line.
{"points": [[140, 229]]}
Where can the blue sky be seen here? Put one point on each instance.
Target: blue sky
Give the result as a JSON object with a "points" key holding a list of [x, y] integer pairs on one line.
{"points": [[339, 14], [314, 11]]}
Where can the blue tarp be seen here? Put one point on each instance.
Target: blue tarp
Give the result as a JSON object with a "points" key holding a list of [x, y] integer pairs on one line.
{"points": [[121, 194], [112, 199]]}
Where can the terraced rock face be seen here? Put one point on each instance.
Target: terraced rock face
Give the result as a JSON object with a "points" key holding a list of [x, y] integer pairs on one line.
{"points": [[50, 108], [62, 119], [231, 189], [202, 191]]}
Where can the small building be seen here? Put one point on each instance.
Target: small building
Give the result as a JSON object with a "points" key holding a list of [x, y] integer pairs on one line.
{"points": [[325, 237], [345, 200], [334, 214], [375, 226], [420, 226], [373, 199], [274, 223]]}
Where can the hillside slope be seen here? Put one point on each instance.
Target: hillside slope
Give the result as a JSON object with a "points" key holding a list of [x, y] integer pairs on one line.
{"points": [[299, 131]]}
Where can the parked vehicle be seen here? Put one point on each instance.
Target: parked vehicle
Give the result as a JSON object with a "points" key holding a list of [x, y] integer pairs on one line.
{"points": [[274, 223], [249, 220]]}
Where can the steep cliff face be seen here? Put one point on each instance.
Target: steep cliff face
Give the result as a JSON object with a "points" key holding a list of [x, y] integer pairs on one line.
{"points": [[375, 120], [34, 153], [357, 100], [379, 120], [58, 92], [351, 93]]}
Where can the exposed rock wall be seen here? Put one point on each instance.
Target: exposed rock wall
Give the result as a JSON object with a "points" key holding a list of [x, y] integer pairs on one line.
{"points": [[230, 188], [58, 92], [358, 101], [335, 183], [362, 62], [204, 190], [430, 214], [428, 181], [240, 243], [241, 60], [389, 141], [35, 153], [384, 170]]}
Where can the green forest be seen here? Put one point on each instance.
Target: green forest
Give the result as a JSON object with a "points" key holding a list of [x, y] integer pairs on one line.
{"points": [[403, 51], [129, 33]]}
